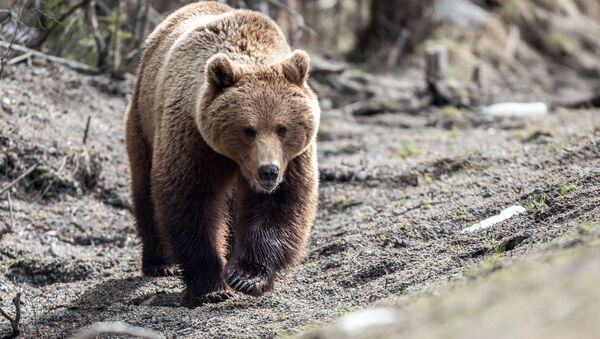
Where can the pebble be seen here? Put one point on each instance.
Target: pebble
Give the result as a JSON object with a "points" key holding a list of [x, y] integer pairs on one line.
{"points": [[184, 331], [54, 251], [6, 105], [361, 176]]}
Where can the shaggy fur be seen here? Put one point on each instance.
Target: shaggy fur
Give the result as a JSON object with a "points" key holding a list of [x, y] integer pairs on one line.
{"points": [[219, 94]]}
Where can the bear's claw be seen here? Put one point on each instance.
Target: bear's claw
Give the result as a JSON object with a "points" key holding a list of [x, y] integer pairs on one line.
{"points": [[216, 297], [255, 285], [161, 271], [192, 301]]}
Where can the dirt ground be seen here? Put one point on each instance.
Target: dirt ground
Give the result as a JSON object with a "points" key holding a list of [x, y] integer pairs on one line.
{"points": [[551, 294], [396, 191]]}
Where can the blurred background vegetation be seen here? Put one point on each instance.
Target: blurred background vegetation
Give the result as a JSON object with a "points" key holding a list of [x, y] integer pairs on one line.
{"points": [[503, 37]]}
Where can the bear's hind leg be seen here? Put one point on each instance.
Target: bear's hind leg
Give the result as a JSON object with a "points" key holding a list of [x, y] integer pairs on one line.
{"points": [[154, 260]]}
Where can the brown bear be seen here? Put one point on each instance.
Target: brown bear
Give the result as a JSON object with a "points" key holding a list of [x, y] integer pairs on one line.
{"points": [[221, 137]]}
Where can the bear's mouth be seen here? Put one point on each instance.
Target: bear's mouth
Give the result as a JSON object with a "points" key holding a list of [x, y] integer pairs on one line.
{"points": [[268, 185]]}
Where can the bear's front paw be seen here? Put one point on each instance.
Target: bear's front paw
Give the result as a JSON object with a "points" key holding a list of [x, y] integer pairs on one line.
{"points": [[194, 299], [254, 280]]}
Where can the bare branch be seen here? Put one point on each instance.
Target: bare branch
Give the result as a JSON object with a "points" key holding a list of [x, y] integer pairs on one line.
{"points": [[14, 322], [57, 60], [297, 17], [19, 178], [19, 58]]}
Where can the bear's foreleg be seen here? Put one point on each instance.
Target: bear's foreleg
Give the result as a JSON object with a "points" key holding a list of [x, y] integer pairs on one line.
{"points": [[191, 204], [270, 230]]}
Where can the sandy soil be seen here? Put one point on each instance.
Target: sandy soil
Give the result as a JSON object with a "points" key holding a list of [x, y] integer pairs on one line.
{"points": [[396, 191]]}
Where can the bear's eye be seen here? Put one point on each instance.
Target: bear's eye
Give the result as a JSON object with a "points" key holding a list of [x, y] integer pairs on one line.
{"points": [[281, 131], [249, 132]]}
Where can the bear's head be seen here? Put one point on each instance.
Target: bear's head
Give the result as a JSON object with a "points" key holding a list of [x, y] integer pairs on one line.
{"points": [[260, 117]]}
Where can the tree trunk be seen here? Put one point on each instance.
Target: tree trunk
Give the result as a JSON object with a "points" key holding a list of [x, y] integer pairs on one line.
{"points": [[389, 19]]}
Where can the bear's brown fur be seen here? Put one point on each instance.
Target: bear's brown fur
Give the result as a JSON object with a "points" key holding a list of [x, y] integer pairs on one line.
{"points": [[221, 113]]}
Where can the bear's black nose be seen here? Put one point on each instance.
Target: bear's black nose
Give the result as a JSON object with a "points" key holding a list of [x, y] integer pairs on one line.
{"points": [[268, 173]]}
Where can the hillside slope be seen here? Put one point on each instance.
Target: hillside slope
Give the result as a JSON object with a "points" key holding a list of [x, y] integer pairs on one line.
{"points": [[396, 191]]}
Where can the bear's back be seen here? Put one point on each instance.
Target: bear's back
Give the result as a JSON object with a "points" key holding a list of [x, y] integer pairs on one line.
{"points": [[171, 70]]}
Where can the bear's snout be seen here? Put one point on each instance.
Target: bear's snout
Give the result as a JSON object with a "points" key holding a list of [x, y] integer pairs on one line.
{"points": [[268, 175]]}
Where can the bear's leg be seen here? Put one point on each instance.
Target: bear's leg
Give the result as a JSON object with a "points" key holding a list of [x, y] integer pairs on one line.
{"points": [[154, 261], [191, 205], [270, 230]]}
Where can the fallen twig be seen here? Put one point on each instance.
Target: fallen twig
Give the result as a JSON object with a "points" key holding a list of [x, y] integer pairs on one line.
{"points": [[14, 322], [19, 58], [10, 211], [19, 178], [117, 327], [77, 66], [87, 129]]}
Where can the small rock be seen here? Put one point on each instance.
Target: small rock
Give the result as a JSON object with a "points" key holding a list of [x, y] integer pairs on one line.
{"points": [[184, 331], [54, 251], [5, 104], [361, 176]]}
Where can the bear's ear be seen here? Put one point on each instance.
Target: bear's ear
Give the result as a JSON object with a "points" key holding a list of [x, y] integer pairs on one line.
{"points": [[221, 72], [295, 67]]}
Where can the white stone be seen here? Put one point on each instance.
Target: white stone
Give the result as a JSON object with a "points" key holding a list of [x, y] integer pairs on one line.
{"points": [[505, 214], [515, 109]]}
